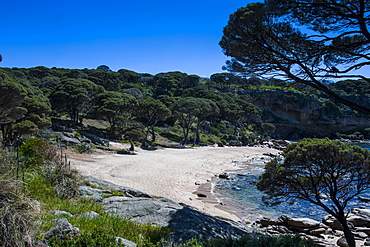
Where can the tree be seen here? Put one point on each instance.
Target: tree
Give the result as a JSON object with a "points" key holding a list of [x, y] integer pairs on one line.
{"points": [[239, 112], [266, 39], [114, 107], [104, 68], [129, 76], [190, 110], [225, 80], [323, 172], [149, 112], [206, 108], [11, 110], [75, 97], [133, 132], [23, 110]]}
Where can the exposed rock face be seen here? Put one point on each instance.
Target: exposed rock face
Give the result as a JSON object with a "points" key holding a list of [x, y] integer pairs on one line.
{"points": [[300, 224], [358, 220], [296, 116], [90, 215], [185, 222], [110, 186], [125, 242]]}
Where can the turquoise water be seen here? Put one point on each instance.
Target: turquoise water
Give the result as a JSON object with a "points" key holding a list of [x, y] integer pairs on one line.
{"points": [[240, 193], [364, 145]]}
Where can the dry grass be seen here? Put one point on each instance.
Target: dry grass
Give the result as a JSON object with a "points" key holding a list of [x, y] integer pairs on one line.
{"points": [[17, 225]]}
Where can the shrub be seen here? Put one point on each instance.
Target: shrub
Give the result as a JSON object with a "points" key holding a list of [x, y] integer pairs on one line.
{"points": [[65, 181], [97, 238], [34, 152], [17, 226], [83, 148]]}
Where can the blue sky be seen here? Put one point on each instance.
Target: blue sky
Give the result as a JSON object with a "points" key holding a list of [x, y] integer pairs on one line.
{"points": [[144, 36]]}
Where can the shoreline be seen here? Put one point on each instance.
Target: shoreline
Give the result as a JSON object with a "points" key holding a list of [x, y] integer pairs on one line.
{"points": [[177, 174]]}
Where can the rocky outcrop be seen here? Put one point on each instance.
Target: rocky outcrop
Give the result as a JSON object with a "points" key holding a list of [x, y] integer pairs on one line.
{"points": [[358, 220], [186, 223], [296, 116]]}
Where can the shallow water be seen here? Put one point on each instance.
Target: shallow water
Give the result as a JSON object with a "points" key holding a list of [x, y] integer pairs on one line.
{"points": [[240, 193]]}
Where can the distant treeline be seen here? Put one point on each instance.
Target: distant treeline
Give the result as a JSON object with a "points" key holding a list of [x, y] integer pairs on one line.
{"points": [[134, 104]]}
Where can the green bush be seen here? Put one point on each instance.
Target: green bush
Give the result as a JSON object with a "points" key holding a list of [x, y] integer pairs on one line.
{"points": [[65, 181], [33, 152], [97, 238], [83, 148]]}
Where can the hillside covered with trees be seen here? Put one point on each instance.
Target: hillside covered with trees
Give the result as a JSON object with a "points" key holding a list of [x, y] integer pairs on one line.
{"points": [[181, 108]]}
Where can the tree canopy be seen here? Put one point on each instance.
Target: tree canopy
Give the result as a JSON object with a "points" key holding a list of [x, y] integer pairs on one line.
{"points": [[114, 107], [304, 41], [75, 97], [149, 112], [323, 172], [190, 110], [23, 109]]}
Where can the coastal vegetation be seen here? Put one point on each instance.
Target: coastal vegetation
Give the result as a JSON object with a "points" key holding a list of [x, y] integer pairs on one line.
{"points": [[309, 85], [141, 109], [301, 41], [323, 172]]}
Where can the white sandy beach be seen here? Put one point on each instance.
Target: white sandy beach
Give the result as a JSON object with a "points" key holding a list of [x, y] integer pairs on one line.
{"points": [[171, 173]]}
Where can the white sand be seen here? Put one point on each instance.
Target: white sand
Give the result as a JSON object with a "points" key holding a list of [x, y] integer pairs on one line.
{"points": [[170, 173]]}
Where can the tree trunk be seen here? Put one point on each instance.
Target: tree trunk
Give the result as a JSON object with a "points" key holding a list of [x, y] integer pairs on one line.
{"points": [[153, 133], [145, 140], [132, 147], [197, 136], [185, 132], [346, 230]]}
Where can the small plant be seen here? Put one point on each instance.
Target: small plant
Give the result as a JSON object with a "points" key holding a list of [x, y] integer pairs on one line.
{"points": [[97, 238], [65, 181], [34, 152], [124, 151], [83, 148]]}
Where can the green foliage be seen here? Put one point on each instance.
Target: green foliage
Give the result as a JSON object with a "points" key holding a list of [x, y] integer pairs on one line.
{"points": [[48, 185], [65, 181], [289, 39], [323, 172], [23, 110], [352, 86], [150, 112], [83, 148], [97, 238], [268, 128], [75, 97], [34, 152], [115, 107], [191, 110], [319, 165]]}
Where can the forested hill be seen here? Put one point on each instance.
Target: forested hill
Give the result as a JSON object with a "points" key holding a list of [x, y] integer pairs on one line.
{"points": [[174, 105]]}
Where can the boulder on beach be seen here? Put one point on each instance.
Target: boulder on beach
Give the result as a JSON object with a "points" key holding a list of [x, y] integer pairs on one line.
{"points": [[301, 224]]}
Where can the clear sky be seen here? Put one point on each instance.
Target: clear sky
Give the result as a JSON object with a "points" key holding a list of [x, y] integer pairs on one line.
{"points": [[140, 35]]}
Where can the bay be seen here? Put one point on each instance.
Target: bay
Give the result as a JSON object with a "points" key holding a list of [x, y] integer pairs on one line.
{"points": [[240, 193]]}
